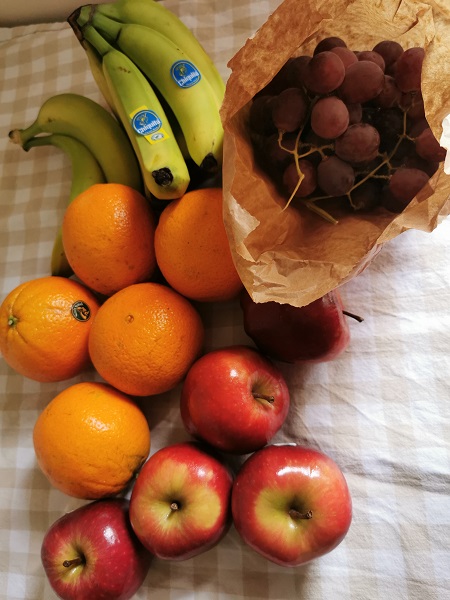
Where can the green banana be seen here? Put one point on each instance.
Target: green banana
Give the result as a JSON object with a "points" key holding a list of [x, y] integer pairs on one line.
{"points": [[90, 123], [95, 65], [86, 171], [171, 71], [155, 15], [163, 167]]}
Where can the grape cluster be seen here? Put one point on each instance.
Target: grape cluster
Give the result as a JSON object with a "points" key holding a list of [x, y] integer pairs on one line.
{"points": [[346, 125]]}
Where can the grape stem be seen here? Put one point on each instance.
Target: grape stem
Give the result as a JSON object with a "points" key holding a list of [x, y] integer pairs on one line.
{"points": [[308, 203], [301, 175]]}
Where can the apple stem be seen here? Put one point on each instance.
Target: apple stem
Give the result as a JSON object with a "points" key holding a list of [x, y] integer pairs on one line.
{"points": [[74, 562], [353, 316], [175, 506], [265, 397], [295, 514]]}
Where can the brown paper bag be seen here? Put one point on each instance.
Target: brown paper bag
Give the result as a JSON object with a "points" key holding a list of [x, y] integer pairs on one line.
{"points": [[292, 255]]}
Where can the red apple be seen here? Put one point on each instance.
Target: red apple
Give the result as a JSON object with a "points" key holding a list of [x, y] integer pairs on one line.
{"points": [[180, 503], [235, 399], [92, 552], [291, 504], [312, 333]]}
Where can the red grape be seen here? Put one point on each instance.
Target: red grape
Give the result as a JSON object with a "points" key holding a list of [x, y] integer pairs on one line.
{"points": [[289, 109], [403, 150], [329, 117], [413, 103], [389, 50], [416, 127], [355, 113], [291, 178], [324, 73], [428, 147], [334, 176], [363, 81], [279, 82], [347, 56], [359, 144], [390, 125], [373, 57], [296, 70], [390, 203], [405, 183], [329, 43], [414, 160], [311, 141], [408, 69], [366, 196], [274, 153], [260, 115], [390, 95]]}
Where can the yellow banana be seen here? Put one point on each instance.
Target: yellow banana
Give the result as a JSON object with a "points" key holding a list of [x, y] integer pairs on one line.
{"points": [[86, 171], [162, 165], [95, 64], [155, 15], [179, 81], [90, 123]]}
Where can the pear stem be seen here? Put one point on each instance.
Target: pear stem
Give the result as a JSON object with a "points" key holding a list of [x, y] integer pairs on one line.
{"points": [[74, 562], [265, 397], [353, 316], [295, 514]]}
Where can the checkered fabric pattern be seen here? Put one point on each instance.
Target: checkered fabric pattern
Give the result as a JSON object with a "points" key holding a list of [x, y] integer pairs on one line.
{"points": [[382, 411]]}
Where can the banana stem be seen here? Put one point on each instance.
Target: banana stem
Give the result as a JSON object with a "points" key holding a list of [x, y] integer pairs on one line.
{"points": [[97, 40], [107, 27], [21, 136], [85, 14]]}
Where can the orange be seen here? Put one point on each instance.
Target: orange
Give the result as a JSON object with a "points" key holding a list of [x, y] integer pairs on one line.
{"points": [[108, 237], [144, 339], [91, 440], [192, 249], [44, 328]]}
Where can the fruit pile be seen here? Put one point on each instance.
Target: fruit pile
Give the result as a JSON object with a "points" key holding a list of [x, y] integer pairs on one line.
{"points": [[147, 246], [92, 440], [346, 129]]}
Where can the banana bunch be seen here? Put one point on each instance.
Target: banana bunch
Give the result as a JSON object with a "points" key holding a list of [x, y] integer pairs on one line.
{"points": [[95, 143], [162, 86]]}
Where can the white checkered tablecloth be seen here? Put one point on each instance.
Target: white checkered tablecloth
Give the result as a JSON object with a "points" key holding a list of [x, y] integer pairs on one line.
{"points": [[382, 411]]}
